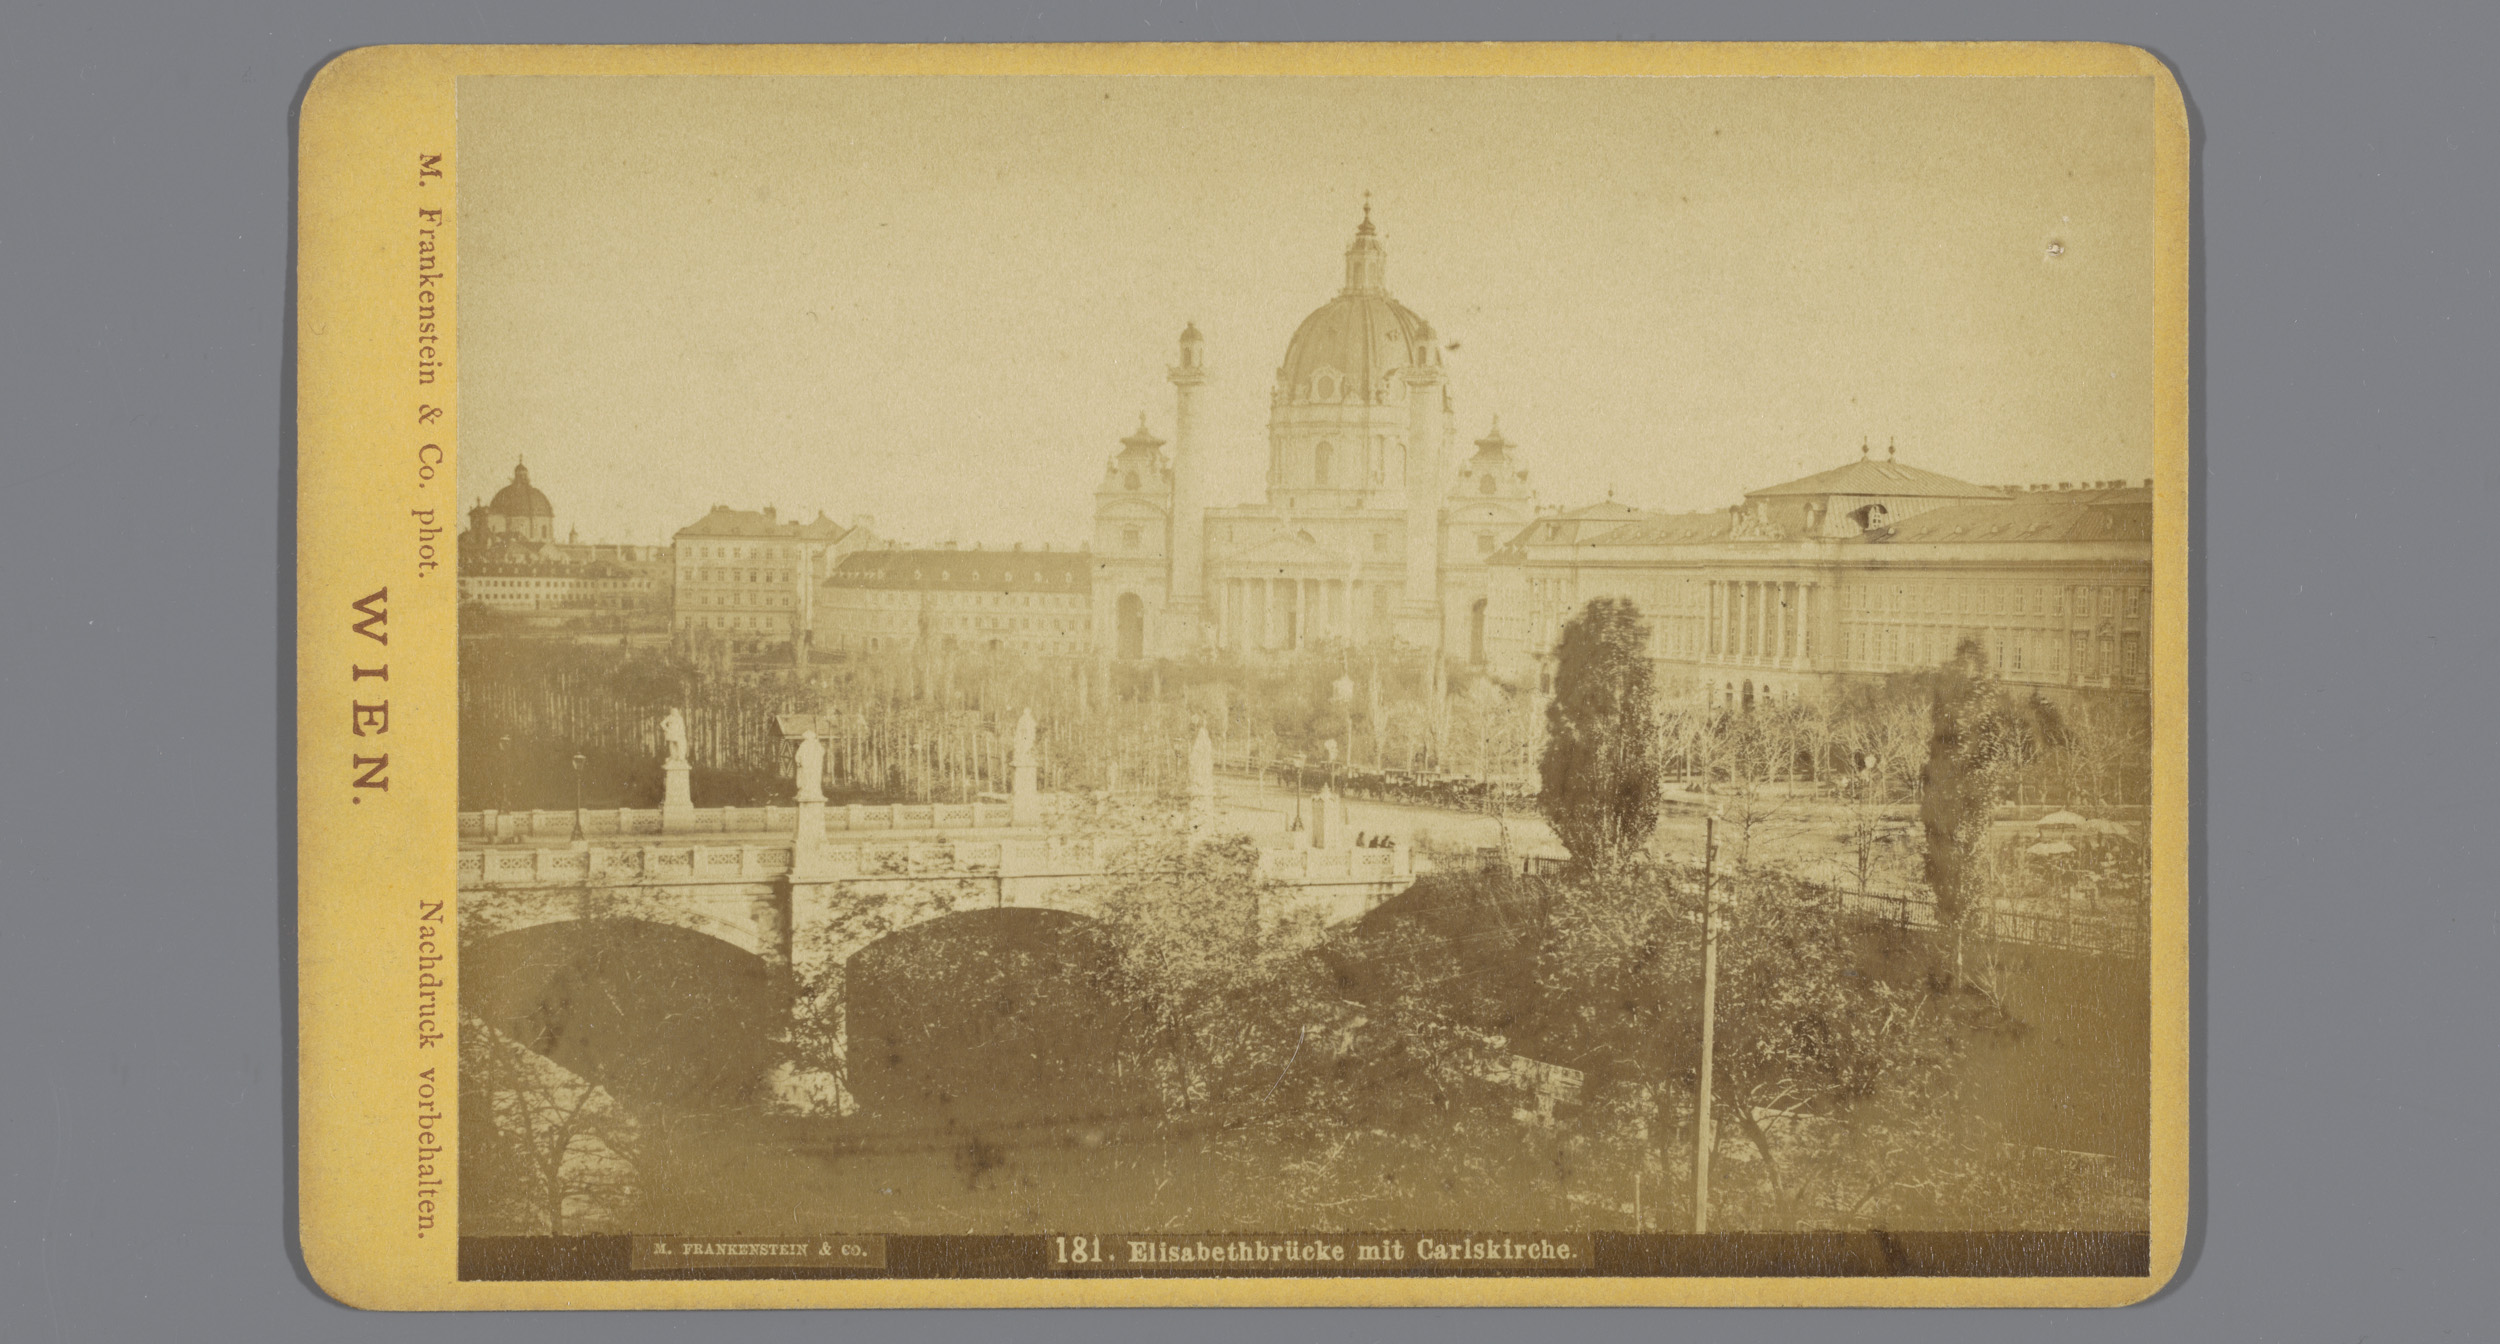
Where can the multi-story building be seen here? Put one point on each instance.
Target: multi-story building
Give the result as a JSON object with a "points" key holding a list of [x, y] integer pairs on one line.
{"points": [[1873, 567], [1036, 603], [750, 577]]}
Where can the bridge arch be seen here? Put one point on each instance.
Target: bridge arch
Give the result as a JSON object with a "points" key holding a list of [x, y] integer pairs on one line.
{"points": [[650, 1012], [745, 916], [982, 1019]]}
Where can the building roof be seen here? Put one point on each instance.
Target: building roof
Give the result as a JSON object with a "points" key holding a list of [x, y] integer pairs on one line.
{"points": [[1017, 571], [1867, 476], [1673, 529], [520, 499], [724, 521], [2080, 515], [1577, 525], [1139, 450]]}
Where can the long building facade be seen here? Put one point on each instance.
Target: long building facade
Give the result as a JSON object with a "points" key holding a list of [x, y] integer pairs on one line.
{"points": [[1038, 604], [1870, 568]]}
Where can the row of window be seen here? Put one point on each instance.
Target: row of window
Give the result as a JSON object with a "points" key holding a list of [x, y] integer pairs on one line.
{"points": [[1995, 599], [737, 552], [887, 597], [738, 576], [874, 644], [1944, 597], [2018, 653], [1324, 466], [515, 584]]}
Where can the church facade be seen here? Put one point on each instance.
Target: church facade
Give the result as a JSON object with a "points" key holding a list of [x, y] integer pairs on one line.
{"points": [[1376, 525]]}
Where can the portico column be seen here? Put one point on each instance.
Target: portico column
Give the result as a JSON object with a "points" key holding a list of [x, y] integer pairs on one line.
{"points": [[1813, 615]]}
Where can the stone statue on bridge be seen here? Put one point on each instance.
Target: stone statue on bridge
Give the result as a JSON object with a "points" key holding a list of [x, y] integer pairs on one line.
{"points": [[677, 794], [673, 730], [811, 768]]}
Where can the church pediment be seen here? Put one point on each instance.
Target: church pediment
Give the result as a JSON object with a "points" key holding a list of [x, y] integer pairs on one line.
{"points": [[1287, 549]]}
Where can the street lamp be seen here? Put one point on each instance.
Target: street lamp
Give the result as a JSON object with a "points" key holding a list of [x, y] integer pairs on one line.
{"points": [[1709, 1026], [580, 832], [503, 748]]}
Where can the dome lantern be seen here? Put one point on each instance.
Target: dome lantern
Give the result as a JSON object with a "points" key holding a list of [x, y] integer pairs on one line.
{"points": [[1366, 261]]}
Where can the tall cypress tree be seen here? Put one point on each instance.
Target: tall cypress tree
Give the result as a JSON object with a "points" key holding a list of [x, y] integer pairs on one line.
{"points": [[1599, 773]]}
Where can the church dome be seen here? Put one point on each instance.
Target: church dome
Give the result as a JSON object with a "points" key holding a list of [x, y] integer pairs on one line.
{"points": [[520, 499], [1351, 349]]}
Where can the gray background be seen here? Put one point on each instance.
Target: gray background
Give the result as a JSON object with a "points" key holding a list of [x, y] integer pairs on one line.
{"points": [[2347, 918]]}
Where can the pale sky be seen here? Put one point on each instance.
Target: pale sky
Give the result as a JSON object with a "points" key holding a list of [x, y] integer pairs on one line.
{"points": [[943, 300]]}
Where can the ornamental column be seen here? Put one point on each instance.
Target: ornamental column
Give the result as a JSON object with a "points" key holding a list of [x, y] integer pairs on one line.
{"points": [[1420, 620], [1187, 559]]}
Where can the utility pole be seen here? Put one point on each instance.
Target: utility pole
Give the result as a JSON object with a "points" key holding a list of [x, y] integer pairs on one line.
{"points": [[1709, 1027]]}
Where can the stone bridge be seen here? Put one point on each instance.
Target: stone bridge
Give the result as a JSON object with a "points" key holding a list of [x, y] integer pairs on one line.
{"points": [[804, 888]]}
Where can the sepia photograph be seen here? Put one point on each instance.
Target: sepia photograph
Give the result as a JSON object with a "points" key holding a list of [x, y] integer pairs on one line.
{"points": [[1293, 676], [858, 671]]}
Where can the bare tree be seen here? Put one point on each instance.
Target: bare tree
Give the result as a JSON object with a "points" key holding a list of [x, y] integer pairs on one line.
{"points": [[560, 1142]]}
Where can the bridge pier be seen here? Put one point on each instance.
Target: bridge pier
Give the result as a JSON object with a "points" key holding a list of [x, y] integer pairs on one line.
{"points": [[677, 799]]}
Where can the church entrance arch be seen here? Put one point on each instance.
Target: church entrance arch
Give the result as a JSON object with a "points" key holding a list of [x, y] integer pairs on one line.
{"points": [[1749, 697], [1132, 623]]}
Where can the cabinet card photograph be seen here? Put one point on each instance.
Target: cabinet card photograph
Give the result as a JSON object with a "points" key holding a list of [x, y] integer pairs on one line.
{"points": [[1243, 675]]}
